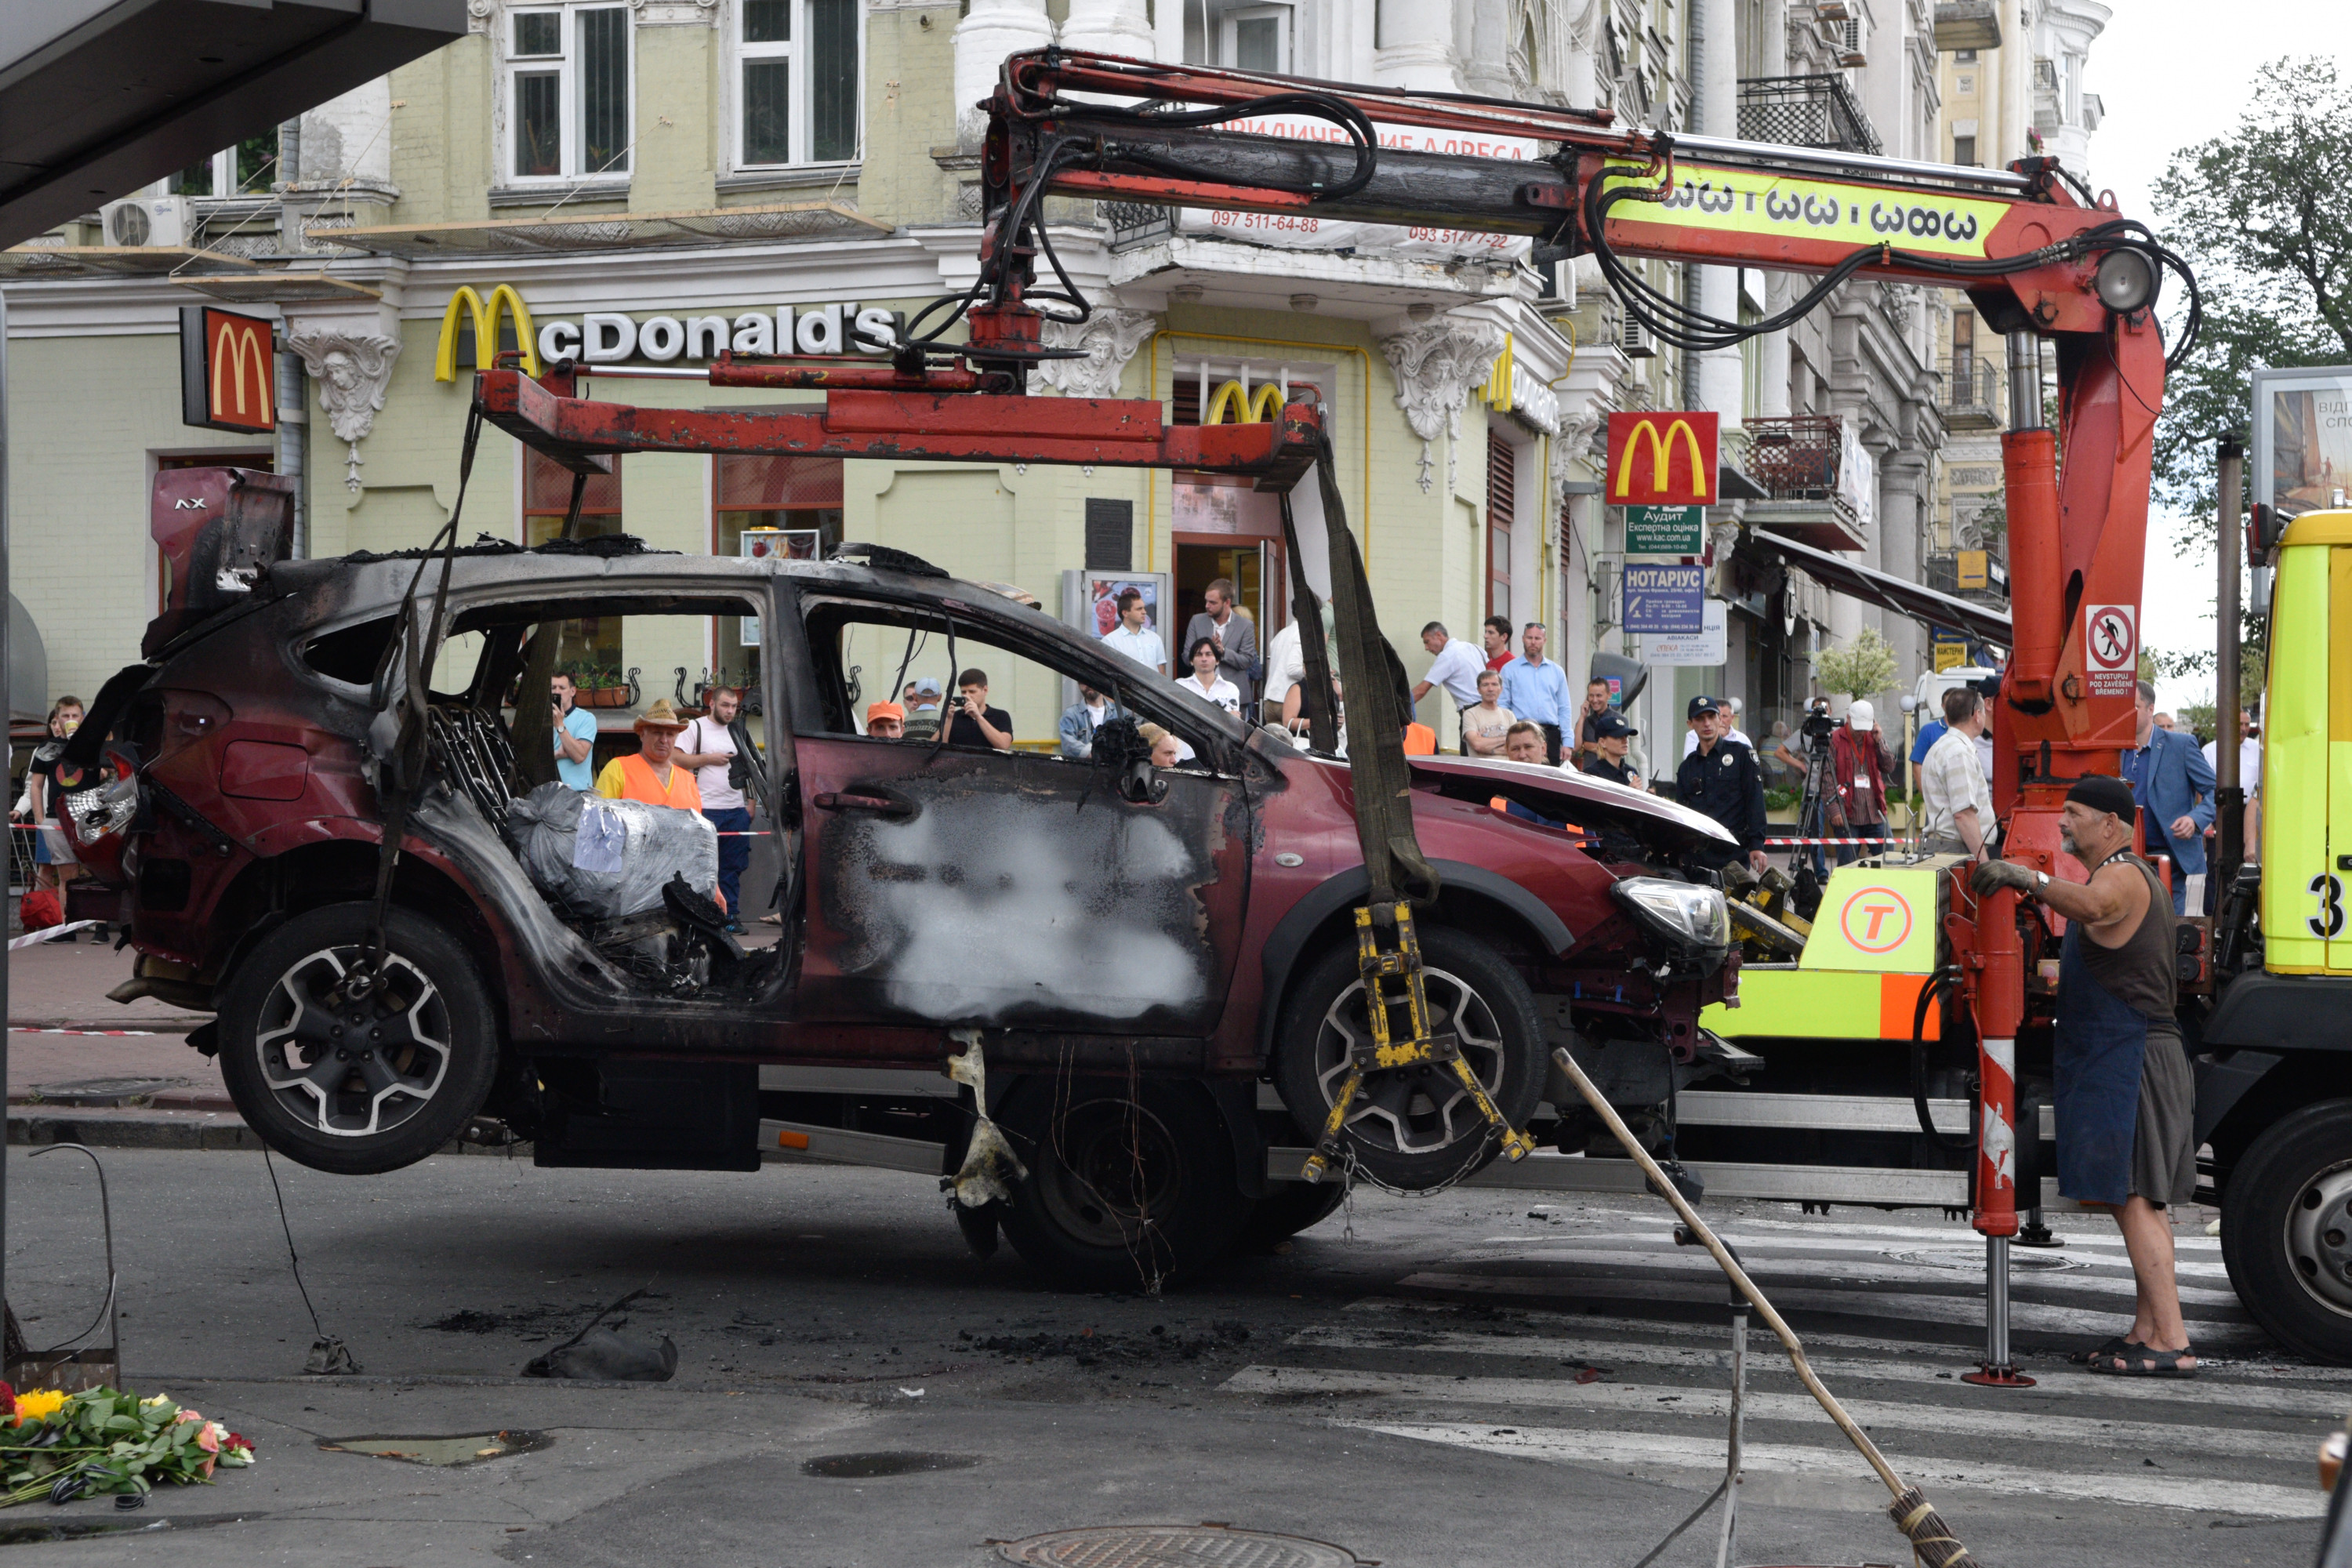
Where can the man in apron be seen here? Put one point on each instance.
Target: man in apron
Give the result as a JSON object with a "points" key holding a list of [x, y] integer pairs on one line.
{"points": [[2124, 1096]]}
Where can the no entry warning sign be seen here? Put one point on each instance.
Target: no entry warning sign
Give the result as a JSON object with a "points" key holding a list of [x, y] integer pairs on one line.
{"points": [[2110, 647]]}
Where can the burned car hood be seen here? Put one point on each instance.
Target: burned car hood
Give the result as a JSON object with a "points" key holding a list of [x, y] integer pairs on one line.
{"points": [[1652, 819]]}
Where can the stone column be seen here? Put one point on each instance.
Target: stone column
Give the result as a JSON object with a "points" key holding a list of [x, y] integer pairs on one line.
{"points": [[1902, 485], [1715, 111], [994, 29], [1414, 46], [1110, 27]]}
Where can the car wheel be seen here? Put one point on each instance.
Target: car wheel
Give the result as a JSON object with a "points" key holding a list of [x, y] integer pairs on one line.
{"points": [[2286, 1231], [1130, 1184], [357, 1085], [1287, 1208], [1417, 1127]]}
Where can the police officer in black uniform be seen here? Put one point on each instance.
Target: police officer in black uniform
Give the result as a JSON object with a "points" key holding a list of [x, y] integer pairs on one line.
{"points": [[1609, 733], [1720, 779]]}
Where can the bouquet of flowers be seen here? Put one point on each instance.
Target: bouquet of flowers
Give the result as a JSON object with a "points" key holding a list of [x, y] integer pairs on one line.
{"points": [[100, 1440]]}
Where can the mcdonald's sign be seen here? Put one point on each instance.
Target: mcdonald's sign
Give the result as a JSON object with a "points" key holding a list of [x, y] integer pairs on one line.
{"points": [[1665, 457], [229, 366], [486, 320]]}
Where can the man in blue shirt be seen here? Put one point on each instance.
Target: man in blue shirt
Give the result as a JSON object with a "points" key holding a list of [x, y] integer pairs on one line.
{"points": [[1536, 690], [2173, 784], [576, 737]]}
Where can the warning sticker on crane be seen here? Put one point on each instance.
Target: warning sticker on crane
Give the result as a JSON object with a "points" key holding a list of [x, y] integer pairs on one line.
{"points": [[1757, 202], [2110, 647]]}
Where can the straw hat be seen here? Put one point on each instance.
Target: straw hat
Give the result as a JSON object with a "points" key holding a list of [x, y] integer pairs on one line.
{"points": [[660, 716]]}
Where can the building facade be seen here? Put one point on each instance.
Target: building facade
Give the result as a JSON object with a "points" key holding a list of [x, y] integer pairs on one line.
{"points": [[647, 182]]}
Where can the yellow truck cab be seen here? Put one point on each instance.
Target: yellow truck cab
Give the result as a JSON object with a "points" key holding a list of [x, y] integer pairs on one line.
{"points": [[2274, 1058]]}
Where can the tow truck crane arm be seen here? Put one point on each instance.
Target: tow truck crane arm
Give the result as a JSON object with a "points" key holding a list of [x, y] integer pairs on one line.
{"points": [[2040, 258]]}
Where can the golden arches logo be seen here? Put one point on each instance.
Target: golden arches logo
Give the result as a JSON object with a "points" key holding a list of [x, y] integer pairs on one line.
{"points": [[487, 320], [1661, 448], [237, 342], [1262, 406]]}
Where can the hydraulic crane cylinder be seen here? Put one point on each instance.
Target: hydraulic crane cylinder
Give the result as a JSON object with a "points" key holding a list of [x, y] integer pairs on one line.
{"points": [[2037, 602]]}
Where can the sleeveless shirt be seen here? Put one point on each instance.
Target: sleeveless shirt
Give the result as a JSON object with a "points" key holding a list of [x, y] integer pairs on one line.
{"points": [[2139, 974]]}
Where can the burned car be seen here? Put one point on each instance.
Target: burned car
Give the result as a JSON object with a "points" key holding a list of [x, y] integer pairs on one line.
{"points": [[1157, 963]]}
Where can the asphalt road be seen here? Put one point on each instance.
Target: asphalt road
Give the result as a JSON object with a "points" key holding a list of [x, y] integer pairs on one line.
{"points": [[1462, 1381]]}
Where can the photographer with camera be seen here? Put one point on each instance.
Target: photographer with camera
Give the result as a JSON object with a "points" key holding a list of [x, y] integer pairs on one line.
{"points": [[972, 721], [575, 736], [1819, 814]]}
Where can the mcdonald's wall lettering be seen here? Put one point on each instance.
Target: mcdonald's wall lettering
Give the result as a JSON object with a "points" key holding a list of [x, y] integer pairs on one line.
{"points": [[229, 370], [1664, 457]]}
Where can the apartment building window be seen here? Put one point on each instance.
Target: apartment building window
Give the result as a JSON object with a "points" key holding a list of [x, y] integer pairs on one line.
{"points": [[1502, 508], [1255, 39], [797, 81], [568, 92], [1964, 151], [245, 169]]}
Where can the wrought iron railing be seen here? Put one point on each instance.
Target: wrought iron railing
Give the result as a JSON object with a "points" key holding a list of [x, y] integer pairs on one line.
{"points": [[1971, 386], [1804, 111], [1137, 223], [1795, 457]]}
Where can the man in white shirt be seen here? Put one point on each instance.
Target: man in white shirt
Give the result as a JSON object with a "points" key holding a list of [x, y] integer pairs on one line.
{"points": [[1453, 665], [2249, 779], [1952, 787], [708, 747], [1134, 636]]}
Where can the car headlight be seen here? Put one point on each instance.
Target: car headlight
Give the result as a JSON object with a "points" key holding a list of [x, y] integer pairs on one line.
{"points": [[1692, 919], [95, 813]]}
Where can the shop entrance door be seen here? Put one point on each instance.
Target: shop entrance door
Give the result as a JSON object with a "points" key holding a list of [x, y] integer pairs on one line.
{"points": [[1250, 564]]}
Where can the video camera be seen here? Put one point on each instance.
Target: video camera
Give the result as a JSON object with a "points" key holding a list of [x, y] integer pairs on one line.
{"points": [[1817, 726]]}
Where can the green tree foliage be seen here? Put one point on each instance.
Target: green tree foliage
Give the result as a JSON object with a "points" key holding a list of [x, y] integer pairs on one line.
{"points": [[1859, 668], [2261, 215]]}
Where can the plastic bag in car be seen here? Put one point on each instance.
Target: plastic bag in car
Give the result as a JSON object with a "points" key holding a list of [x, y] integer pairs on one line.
{"points": [[605, 860]]}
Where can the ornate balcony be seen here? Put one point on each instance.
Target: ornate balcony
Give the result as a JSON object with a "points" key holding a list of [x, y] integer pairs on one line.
{"points": [[1970, 398], [1814, 477], [1804, 111]]}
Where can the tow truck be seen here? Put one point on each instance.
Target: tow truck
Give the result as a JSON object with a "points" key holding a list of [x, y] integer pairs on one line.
{"points": [[1933, 1097]]}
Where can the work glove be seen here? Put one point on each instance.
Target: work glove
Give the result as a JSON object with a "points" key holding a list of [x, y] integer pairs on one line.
{"points": [[1995, 875]]}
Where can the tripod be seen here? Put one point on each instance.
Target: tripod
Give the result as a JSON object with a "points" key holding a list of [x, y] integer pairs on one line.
{"points": [[1813, 809]]}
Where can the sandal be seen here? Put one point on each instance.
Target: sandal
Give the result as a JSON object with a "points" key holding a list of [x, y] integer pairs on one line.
{"points": [[2113, 1345], [2145, 1360]]}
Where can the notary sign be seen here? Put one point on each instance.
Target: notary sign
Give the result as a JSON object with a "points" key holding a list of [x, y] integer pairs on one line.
{"points": [[1664, 599], [227, 370], [1662, 457], [1666, 530]]}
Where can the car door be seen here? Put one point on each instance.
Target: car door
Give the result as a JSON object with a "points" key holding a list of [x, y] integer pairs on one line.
{"points": [[954, 885]]}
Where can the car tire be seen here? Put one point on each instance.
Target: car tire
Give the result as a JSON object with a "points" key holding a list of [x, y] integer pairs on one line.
{"points": [[1131, 1186], [1418, 1128], [417, 1059], [1287, 1208], [2286, 1231]]}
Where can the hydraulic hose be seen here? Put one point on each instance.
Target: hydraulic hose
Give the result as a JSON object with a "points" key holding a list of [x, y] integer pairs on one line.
{"points": [[1938, 983]]}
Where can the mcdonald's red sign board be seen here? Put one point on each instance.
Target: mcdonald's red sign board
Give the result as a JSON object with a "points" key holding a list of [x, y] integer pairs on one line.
{"points": [[228, 370], [1664, 458]]}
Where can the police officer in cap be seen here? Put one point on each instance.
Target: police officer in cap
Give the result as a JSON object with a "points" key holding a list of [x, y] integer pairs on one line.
{"points": [[1720, 779], [1609, 733]]}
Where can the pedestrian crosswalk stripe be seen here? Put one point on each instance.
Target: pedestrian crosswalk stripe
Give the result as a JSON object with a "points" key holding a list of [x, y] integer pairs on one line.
{"points": [[1765, 1359], [2011, 1424], [1764, 1268], [1417, 1316], [2031, 1317], [1632, 1451]]}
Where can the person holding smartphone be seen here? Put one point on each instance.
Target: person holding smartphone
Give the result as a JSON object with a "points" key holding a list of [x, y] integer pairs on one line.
{"points": [[575, 736]]}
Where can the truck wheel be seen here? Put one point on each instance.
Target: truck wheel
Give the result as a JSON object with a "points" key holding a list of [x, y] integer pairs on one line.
{"points": [[364, 1085], [2286, 1231], [1130, 1184], [1287, 1208], [1417, 1127]]}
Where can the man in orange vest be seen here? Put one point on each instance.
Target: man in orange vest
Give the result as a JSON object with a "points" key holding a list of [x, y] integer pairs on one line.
{"points": [[653, 775]]}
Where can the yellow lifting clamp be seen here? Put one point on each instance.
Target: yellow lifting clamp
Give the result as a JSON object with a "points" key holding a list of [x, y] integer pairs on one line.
{"points": [[1381, 969]]}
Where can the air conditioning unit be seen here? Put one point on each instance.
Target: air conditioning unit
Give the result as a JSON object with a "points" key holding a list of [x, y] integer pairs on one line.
{"points": [[1606, 596], [1852, 54], [1634, 339], [146, 220]]}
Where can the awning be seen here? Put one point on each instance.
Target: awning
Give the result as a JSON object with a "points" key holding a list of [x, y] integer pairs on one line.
{"points": [[97, 99], [1923, 605]]}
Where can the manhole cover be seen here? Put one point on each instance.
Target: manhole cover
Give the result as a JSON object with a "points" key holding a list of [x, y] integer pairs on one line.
{"points": [[105, 1090], [465, 1449], [1972, 1260], [1176, 1546], [886, 1462]]}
